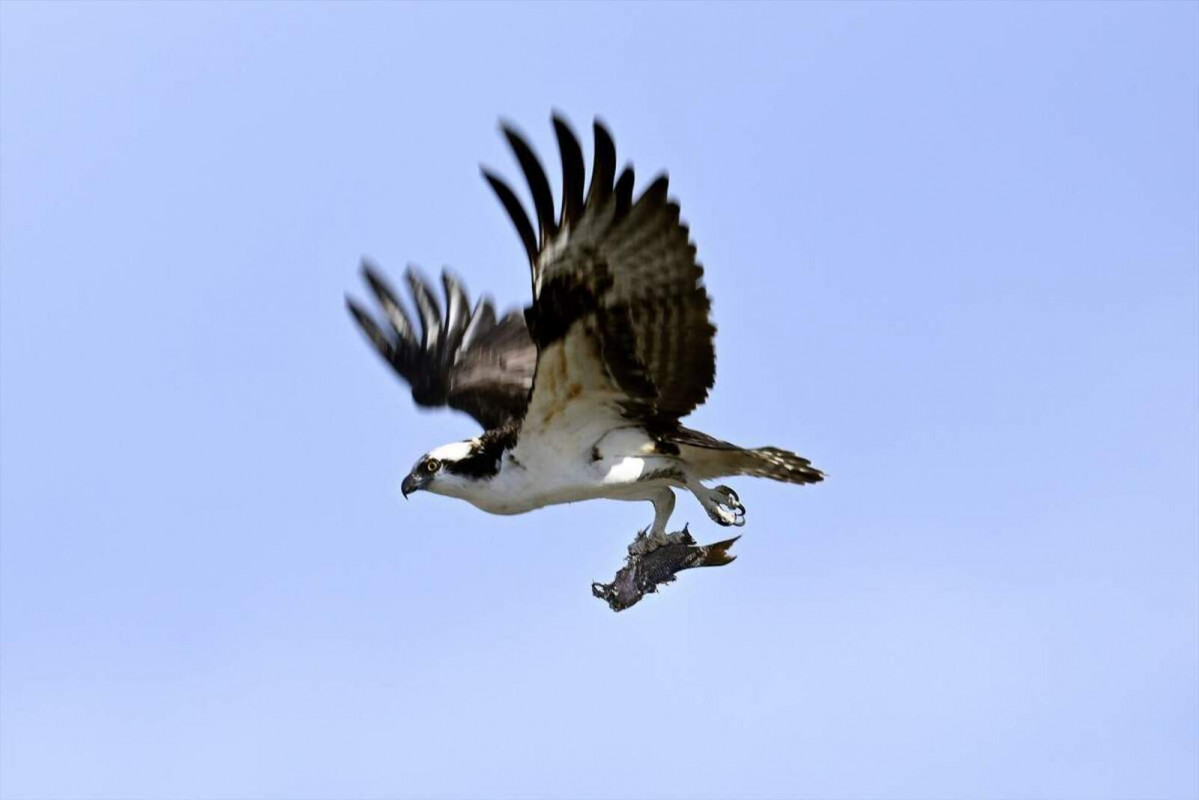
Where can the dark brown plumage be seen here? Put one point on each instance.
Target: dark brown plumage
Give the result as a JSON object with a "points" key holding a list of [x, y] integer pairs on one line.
{"points": [[467, 360], [626, 268]]}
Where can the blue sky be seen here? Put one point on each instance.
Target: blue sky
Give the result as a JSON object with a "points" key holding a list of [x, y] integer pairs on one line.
{"points": [[954, 256]]}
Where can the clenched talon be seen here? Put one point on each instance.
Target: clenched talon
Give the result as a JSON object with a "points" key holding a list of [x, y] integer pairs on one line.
{"points": [[727, 517], [647, 542], [724, 507], [640, 545]]}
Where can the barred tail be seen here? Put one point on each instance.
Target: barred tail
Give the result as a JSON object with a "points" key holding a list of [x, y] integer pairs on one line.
{"points": [[710, 457], [779, 465]]}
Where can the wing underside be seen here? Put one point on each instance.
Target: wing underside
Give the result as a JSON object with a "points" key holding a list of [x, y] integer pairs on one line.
{"points": [[464, 358]]}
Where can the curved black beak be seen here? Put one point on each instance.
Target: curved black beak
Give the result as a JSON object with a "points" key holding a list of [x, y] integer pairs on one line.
{"points": [[409, 485]]}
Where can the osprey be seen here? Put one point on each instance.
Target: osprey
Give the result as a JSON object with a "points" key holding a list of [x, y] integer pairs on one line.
{"points": [[580, 396]]}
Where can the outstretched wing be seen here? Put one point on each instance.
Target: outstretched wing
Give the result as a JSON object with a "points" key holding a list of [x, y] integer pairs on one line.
{"points": [[620, 315], [466, 359]]}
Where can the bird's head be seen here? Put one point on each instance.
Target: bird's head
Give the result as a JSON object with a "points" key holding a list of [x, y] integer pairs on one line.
{"points": [[447, 470]]}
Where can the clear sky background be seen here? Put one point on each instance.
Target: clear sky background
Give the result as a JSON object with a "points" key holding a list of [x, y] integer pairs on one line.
{"points": [[953, 251]]}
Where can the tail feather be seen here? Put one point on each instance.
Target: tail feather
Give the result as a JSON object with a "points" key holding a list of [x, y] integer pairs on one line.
{"points": [[712, 458], [780, 465]]}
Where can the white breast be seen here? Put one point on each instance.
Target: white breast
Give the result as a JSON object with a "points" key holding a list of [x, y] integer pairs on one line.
{"points": [[565, 469]]}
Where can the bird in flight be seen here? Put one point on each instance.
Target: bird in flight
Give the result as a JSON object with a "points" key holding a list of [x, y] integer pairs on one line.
{"points": [[581, 396]]}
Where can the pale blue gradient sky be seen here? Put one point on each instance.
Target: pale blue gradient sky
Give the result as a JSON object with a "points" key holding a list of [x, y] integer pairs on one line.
{"points": [[953, 252]]}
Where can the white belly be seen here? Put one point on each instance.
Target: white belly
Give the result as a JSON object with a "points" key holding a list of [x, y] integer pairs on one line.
{"points": [[565, 472]]}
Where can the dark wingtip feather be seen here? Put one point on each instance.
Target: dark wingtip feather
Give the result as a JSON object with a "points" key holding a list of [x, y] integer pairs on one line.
{"points": [[372, 275], [378, 284], [426, 304], [457, 311], [572, 171], [451, 286], [624, 191], [658, 189], [482, 320], [355, 310], [391, 305], [516, 212], [603, 168], [371, 328], [539, 185]]}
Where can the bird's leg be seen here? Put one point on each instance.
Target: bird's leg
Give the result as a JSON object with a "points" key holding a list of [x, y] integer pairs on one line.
{"points": [[656, 536], [663, 500], [721, 503]]}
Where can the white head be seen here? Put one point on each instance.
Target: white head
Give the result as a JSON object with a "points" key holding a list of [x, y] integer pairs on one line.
{"points": [[453, 469]]}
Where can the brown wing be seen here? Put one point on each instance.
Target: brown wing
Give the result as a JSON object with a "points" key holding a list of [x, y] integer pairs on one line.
{"points": [[466, 360], [615, 282]]}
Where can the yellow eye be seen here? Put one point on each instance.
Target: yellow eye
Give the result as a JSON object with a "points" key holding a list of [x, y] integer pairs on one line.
{"points": [[432, 465]]}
